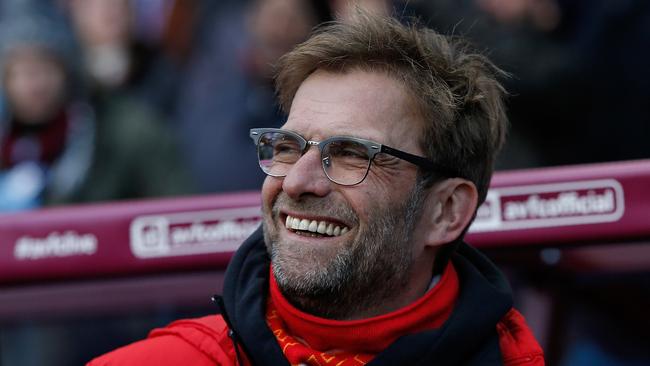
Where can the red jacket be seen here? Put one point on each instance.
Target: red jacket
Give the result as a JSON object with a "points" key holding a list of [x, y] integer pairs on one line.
{"points": [[205, 342]]}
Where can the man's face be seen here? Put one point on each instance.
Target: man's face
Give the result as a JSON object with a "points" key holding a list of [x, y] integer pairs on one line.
{"points": [[372, 256], [34, 84]]}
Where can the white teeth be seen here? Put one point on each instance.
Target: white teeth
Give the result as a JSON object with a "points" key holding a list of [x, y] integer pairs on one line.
{"points": [[295, 224], [314, 226], [330, 229]]}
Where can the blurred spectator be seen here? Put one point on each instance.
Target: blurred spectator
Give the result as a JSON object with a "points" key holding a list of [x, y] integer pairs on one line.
{"points": [[228, 87], [54, 147], [580, 81], [115, 61]]}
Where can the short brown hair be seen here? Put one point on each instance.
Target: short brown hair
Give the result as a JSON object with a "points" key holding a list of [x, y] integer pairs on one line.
{"points": [[455, 89]]}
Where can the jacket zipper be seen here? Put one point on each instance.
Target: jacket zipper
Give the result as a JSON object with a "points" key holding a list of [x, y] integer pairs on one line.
{"points": [[218, 300]]}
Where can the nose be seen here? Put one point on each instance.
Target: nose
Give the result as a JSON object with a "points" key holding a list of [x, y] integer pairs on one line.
{"points": [[306, 177]]}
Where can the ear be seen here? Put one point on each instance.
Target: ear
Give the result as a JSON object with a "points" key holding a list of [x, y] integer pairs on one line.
{"points": [[451, 206]]}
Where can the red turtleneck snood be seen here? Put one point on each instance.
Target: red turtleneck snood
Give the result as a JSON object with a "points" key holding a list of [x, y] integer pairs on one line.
{"points": [[307, 339]]}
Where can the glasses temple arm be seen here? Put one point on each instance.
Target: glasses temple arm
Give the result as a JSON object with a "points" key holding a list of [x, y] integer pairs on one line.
{"points": [[419, 161]]}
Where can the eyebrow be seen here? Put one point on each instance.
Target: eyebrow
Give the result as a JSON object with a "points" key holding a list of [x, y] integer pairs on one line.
{"points": [[373, 139]]}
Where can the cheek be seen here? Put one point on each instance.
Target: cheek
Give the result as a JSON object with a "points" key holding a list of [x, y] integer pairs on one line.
{"points": [[270, 189], [382, 187], [390, 183]]}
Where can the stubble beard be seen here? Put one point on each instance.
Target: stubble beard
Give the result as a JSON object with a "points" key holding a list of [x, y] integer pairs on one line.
{"points": [[341, 282]]}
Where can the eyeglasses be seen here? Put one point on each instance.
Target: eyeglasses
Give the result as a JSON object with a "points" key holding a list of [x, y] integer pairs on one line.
{"points": [[345, 160]]}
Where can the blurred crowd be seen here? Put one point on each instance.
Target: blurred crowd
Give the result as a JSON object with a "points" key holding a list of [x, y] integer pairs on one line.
{"points": [[117, 99]]}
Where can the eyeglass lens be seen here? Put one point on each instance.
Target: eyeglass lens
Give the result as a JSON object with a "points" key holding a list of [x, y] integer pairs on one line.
{"points": [[344, 161]]}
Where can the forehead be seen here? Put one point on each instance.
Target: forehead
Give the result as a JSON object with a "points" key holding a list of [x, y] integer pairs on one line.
{"points": [[358, 103]]}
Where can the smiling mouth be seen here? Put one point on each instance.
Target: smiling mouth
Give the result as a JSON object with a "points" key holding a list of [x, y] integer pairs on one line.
{"points": [[314, 228]]}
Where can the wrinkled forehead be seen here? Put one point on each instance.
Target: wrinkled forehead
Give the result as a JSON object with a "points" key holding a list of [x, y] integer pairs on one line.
{"points": [[365, 104]]}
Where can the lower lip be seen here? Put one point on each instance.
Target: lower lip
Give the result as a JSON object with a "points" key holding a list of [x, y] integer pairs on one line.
{"points": [[307, 236]]}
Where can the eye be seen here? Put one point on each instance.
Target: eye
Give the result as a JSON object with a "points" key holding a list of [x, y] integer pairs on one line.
{"points": [[348, 150], [353, 153], [285, 147], [284, 144]]}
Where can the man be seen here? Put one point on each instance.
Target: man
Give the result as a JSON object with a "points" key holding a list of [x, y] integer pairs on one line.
{"points": [[372, 182]]}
